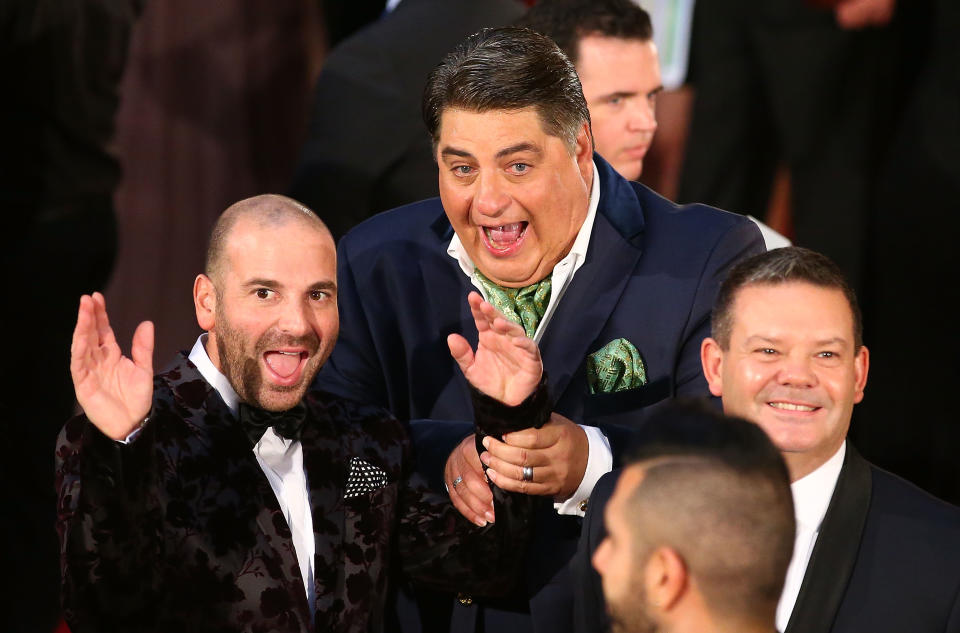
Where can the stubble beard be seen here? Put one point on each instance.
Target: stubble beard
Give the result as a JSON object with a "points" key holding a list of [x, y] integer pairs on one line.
{"points": [[244, 373]]}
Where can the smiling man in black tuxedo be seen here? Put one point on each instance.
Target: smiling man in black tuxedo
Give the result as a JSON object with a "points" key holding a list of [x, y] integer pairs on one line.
{"points": [[872, 552]]}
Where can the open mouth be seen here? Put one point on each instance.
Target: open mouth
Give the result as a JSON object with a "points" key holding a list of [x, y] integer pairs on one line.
{"points": [[286, 367], [504, 239]]}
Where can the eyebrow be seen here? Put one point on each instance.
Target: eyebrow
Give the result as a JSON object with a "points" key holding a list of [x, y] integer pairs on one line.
{"points": [[757, 338], [260, 282], [520, 147], [506, 151]]}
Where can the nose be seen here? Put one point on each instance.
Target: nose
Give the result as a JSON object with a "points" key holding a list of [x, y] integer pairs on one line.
{"points": [[294, 318], [643, 117], [491, 196], [797, 371]]}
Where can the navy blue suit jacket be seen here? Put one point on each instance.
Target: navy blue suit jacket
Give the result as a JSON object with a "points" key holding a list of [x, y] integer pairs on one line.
{"points": [[650, 276], [887, 559]]}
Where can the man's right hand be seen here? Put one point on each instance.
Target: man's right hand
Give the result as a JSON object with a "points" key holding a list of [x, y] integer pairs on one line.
{"points": [[114, 391]]}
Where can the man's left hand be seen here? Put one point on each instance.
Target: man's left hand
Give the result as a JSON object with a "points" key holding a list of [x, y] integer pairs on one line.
{"points": [[557, 452]]}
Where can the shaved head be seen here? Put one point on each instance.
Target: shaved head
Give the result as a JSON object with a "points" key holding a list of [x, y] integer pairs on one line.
{"points": [[265, 210]]}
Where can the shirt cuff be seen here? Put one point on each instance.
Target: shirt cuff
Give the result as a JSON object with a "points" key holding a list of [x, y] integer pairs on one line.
{"points": [[599, 463]]}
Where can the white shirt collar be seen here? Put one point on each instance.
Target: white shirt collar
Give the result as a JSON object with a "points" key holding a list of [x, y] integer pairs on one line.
{"points": [[198, 356], [578, 251], [812, 493]]}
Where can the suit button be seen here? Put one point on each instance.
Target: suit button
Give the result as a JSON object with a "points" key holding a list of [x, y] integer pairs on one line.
{"points": [[583, 505], [464, 599]]}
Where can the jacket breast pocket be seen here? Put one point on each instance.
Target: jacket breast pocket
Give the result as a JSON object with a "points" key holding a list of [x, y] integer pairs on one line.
{"points": [[603, 405]]}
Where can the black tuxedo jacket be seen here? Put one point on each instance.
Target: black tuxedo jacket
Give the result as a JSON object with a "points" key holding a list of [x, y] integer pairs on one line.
{"points": [[180, 530], [887, 559], [367, 149]]}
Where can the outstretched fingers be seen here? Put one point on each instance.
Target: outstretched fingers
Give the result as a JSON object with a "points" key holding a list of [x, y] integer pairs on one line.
{"points": [[461, 351]]}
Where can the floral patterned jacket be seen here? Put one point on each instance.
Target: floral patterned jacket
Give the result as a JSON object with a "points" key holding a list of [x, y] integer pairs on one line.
{"points": [[179, 530]]}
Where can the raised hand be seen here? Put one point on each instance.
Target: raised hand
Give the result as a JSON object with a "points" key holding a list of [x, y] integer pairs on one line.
{"points": [[114, 391], [507, 364]]}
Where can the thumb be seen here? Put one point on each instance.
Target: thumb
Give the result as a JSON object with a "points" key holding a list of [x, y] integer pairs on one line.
{"points": [[142, 348], [461, 351]]}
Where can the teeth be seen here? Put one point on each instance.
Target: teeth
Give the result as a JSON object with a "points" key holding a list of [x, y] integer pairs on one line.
{"points": [[290, 353], [786, 406], [505, 233]]}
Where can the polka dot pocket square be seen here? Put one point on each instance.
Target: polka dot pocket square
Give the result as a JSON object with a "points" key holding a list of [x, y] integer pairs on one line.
{"points": [[364, 478]]}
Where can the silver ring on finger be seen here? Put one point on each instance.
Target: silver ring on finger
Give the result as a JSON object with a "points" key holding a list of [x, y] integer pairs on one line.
{"points": [[457, 482], [528, 473]]}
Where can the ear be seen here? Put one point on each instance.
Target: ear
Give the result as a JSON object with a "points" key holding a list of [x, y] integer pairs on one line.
{"points": [[583, 152], [666, 578], [861, 366], [711, 358], [205, 301]]}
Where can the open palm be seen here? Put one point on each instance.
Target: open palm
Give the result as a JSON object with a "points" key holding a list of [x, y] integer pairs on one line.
{"points": [[114, 391], [506, 364]]}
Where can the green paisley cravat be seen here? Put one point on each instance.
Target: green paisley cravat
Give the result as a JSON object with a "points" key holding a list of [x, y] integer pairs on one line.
{"points": [[524, 306], [617, 366]]}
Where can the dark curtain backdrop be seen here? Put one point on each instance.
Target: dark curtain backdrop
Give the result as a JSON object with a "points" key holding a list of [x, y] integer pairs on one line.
{"points": [[214, 106]]}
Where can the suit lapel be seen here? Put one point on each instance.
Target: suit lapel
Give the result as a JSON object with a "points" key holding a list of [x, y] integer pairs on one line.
{"points": [[835, 553], [446, 289], [598, 285], [326, 476]]}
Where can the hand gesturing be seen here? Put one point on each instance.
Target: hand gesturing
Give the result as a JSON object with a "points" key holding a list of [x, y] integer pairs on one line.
{"points": [[507, 364], [114, 391]]}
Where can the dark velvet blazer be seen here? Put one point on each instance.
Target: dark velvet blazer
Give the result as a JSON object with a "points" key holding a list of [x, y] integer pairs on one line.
{"points": [[180, 530], [650, 275], [887, 559]]}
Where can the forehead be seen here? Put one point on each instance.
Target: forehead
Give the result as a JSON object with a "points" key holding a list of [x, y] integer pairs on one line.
{"points": [[792, 309], [288, 249], [601, 57], [627, 484], [491, 128]]}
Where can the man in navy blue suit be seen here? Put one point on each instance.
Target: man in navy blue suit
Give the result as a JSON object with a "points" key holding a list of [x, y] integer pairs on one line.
{"points": [[614, 283]]}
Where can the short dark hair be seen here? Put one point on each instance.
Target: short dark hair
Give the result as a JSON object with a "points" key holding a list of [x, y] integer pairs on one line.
{"points": [[716, 490], [566, 22], [508, 68], [780, 266]]}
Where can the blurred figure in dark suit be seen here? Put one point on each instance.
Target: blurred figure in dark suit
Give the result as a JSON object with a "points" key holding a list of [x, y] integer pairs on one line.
{"points": [[61, 63], [366, 151]]}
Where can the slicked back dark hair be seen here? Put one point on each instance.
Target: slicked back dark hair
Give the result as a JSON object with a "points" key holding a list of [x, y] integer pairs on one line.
{"points": [[508, 68], [717, 491], [566, 22], [781, 266]]}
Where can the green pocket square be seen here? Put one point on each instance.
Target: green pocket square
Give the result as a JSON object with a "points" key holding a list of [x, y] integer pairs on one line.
{"points": [[616, 366]]}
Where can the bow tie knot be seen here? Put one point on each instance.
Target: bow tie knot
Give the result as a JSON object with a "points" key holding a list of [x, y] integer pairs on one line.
{"points": [[288, 424]]}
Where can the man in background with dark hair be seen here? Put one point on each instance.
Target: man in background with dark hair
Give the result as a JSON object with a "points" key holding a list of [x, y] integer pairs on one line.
{"points": [[872, 551], [699, 529], [602, 273], [610, 42]]}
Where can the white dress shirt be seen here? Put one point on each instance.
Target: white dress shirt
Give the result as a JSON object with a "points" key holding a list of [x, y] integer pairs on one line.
{"points": [[811, 497], [282, 462], [599, 457]]}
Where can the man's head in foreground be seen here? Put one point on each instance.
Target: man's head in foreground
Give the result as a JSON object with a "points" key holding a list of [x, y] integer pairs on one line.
{"points": [[268, 299], [511, 132], [700, 528], [787, 352], [611, 44]]}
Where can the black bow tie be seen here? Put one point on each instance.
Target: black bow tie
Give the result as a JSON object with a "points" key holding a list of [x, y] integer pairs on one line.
{"points": [[256, 421]]}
